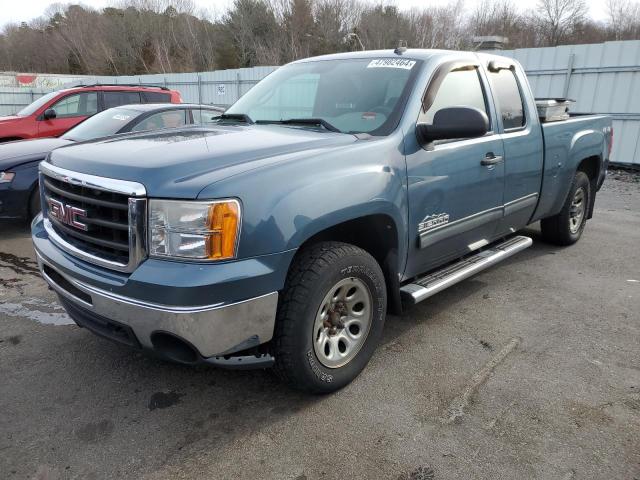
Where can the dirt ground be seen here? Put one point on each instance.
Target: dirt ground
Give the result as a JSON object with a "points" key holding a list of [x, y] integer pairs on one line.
{"points": [[528, 370]]}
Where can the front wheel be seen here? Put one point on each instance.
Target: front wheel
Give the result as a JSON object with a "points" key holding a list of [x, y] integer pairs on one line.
{"points": [[566, 227], [330, 317]]}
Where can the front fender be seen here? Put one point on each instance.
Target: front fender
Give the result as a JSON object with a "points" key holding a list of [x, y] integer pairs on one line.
{"points": [[285, 203]]}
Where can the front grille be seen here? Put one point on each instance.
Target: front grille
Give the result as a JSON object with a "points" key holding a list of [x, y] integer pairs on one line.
{"points": [[107, 219], [98, 219]]}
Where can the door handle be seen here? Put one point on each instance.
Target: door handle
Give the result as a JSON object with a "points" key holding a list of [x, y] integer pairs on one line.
{"points": [[491, 159]]}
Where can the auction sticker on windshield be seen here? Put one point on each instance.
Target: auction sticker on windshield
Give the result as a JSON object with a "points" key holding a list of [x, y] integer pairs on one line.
{"points": [[392, 63], [121, 117]]}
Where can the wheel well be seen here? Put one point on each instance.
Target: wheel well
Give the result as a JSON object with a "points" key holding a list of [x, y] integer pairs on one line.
{"points": [[377, 235], [591, 166], [34, 191]]}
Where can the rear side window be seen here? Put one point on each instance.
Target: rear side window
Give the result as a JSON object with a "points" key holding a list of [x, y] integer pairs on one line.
{"points": [[155, 97], [460, 88], [115, 99], [510, 105]]}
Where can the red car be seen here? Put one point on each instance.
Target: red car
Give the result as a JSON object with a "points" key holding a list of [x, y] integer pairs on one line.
{"points": [[56, 112]]}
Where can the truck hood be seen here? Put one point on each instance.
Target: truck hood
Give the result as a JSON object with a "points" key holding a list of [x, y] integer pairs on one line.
{"points": [[13, 154], [9, 118], [179, 163]]}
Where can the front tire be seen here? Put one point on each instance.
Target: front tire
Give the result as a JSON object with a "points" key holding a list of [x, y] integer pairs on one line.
{"points": [[330, 317], [566, 227]]}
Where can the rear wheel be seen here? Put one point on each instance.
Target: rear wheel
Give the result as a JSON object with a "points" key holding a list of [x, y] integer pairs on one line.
{"points": [[566, 227], [330, 317]]}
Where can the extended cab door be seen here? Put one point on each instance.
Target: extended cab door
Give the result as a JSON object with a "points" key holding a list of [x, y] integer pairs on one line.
{"points": [[70, 111], [455, 186], [520, 131]]}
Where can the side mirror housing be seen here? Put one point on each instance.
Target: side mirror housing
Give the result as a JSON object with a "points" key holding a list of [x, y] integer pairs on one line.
{"points": [[49, 114], [454, 122]]}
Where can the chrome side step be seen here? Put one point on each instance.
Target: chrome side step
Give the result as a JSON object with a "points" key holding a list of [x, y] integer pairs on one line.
{"points": [[437, 281]]}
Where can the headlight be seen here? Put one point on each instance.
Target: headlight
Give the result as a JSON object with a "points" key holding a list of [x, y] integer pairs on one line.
{"points": [[195, 230], [6, 177]]}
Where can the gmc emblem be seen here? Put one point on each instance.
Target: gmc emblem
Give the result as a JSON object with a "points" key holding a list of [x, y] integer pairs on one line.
{"points": [[67, 214]]}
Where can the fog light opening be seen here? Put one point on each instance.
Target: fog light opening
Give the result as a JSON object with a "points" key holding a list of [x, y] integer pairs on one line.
{"points": [[174, 348]]}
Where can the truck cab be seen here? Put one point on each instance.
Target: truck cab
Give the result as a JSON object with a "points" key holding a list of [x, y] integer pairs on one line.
{"points": [[280, 236]]}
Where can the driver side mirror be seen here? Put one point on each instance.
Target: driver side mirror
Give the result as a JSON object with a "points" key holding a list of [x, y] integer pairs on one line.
{"points": [[454, 122], [49, 114]]}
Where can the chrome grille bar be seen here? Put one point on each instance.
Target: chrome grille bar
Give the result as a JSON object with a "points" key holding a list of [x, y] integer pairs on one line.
{"points": [[113, 241]]}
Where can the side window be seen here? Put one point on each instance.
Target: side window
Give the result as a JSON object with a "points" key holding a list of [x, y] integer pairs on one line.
{"points": [[204, 117], [510, 105], [460, 88], [168, 119], [155, 97], [115, 99], [77, 105]]}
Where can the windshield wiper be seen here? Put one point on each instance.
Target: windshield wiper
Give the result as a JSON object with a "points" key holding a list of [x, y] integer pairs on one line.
{"points": [[304, 121], [242, 117]]}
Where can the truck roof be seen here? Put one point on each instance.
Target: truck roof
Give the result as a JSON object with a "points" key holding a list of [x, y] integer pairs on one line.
{"points": [[412, 53]]}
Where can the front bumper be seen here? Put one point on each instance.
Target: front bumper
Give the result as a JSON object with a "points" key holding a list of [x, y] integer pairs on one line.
{"points": [[212, 331]]}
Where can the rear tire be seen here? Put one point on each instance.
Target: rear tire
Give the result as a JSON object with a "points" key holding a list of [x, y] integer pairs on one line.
{"points": [[330, 317], [566, 227]]}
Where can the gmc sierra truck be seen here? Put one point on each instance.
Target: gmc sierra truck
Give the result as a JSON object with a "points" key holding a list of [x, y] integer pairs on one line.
{"points": [[337, 189]]}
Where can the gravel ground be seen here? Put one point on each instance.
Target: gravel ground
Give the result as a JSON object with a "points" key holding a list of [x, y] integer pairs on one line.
{"points": [[528, 370]]}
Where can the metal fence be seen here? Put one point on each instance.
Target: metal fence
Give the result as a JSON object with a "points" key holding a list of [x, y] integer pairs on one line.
{"points": [[602, 78], [220, 88], [13, 99]]}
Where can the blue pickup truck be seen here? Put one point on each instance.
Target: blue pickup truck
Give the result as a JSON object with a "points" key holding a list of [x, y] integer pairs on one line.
{"points": [[337, 189]]}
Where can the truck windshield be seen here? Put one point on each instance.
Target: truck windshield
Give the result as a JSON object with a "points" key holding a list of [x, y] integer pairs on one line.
{"points": [[103, 124], [34, 106], [352, 95]]}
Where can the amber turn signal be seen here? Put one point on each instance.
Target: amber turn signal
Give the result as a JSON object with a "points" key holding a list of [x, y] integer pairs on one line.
{"points": [[224, 220]]}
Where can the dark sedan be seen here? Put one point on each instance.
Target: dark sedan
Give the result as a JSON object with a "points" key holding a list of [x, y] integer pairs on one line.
{"points": [[19, 196]]}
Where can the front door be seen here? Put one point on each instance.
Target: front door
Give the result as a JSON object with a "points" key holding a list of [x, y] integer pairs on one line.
{"points": [[70, 111], [455, 187]]}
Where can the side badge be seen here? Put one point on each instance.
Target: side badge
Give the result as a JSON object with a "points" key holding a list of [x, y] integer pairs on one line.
{"points": [[432, 221]]}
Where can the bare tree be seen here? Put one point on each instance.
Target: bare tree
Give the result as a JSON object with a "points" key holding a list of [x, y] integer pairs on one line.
{"points": [[559, 18], [623, 18], [151, 36], [438, 27]]}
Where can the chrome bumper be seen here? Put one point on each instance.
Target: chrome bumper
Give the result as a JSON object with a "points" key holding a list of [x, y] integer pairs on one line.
{"points": [[213, 330]]}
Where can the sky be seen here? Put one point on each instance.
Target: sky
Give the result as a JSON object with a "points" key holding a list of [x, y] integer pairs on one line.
{"points": [[25, 10]]}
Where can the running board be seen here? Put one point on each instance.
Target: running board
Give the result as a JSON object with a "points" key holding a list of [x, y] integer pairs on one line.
{"points": [[437, 281]]}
